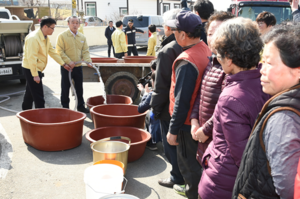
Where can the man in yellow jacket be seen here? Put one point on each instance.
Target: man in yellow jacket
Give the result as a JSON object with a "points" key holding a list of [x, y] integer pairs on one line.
{"points": [[72, 47], [36, 50], [152, 40], [119, 41]]}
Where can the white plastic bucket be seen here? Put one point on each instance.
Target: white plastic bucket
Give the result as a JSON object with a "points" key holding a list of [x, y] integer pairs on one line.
{"points": [[119, 196], [103, 179]]}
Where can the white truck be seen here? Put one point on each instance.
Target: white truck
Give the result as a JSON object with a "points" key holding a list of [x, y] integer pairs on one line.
{"points": [[12, 36]]}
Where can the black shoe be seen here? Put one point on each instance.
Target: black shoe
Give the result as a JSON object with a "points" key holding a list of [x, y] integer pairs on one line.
{"points": [[166, 182], [83, 110], [151, 146]]}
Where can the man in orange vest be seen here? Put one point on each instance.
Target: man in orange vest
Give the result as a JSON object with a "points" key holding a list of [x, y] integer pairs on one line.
{"points": [[187, 71]]}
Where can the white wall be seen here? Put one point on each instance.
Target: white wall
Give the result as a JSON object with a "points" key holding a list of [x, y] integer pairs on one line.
{"points": [[144, 7], [94, 34], [105, 11]]}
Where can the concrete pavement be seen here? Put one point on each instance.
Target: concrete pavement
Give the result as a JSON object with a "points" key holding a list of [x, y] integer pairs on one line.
{"points": [[37, 174]]}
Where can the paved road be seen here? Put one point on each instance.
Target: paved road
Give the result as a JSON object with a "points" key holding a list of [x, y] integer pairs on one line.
{"points": [[28, 173]]}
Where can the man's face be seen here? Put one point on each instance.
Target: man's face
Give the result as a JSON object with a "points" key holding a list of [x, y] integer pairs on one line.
{"points": [[179, 36], [263, 28], [74, 24], [48, 30], [110, 24], [167, 31], [130, 24]]}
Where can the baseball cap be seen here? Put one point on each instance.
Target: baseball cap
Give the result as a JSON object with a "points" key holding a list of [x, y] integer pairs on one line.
{"points": [[186, 21]]}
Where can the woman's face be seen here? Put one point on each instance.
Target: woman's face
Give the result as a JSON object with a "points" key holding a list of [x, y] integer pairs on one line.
{"points": [[276, 76], [263, 28], [210, 32]]}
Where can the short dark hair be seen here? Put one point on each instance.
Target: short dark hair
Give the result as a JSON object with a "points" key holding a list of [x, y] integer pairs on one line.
{"points": [[110, 21], [153, 76], [218, 16], [238, 39], [196, 34], [119, 23], [152, 28], [266, 17], [153, 64], [205, 8], [48, 22], [286, 39]]}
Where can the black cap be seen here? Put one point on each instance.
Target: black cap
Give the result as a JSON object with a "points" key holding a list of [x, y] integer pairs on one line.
{"points": [[130, 20], [186, 21]]}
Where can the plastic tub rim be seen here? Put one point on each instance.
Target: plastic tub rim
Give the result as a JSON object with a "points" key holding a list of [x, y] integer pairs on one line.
{"points": [[110, 95], [107, 127], [116, 116], [48, 124]]}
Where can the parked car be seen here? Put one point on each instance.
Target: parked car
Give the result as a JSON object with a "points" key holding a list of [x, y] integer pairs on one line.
{"points": [[91, 21], [142, 22]]}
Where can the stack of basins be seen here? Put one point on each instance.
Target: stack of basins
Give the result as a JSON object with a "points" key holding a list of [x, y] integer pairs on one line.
{"points": [[116, 121]]}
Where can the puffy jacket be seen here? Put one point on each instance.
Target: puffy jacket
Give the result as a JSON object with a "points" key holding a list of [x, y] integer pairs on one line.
{"points": [[297, 183], [213, 82], [234, 116], [269, 163]]}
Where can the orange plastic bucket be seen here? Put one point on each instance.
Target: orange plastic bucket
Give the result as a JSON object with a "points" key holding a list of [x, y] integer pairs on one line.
{"points": [[114, 162]]}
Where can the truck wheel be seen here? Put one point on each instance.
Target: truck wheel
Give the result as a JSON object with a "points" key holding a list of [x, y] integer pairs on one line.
{"points": [[23, 81], [122, 83]]}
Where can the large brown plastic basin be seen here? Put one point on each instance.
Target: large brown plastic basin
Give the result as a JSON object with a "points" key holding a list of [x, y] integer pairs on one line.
{"points": [[110, 99], [139, 138], [52, 129], [117, 115], [139, 59], [104, 60]]}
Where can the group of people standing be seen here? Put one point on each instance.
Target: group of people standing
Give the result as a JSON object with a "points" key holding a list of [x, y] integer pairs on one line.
{"points": [[122, 40], [229, 110], [71, 50]]}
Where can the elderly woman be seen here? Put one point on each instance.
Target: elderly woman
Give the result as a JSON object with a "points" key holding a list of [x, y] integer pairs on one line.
{"points": [[238, 45], [269, 162], [211, 86]]}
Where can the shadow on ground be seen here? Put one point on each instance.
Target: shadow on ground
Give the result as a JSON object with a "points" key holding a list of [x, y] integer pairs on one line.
{"points": [[79, 155]]}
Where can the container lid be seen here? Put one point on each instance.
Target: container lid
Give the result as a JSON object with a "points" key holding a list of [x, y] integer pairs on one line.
{"points": [[119, 196], [102, 172]]}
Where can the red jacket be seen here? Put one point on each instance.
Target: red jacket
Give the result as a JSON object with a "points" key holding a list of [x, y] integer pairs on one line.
{"points": [[198, 57], [297, 184]]}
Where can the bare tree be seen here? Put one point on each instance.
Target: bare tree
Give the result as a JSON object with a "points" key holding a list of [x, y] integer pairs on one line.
{"points": [[135, 12], [60, 10], [115, 16], [32, 2]]}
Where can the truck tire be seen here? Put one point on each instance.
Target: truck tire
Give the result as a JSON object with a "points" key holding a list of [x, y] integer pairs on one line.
{"points": [[122, 83], [23, 81]]}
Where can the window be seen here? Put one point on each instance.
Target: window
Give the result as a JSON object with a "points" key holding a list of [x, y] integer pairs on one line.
{"points": [[161, 21], [138, 22], [90, 9], [91, 19], [123, 11], [166, 7], [155, 20], [176, 5]]}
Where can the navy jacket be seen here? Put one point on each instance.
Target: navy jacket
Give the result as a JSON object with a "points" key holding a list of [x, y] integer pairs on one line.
{"points": [[108, 33], [131, 35]]}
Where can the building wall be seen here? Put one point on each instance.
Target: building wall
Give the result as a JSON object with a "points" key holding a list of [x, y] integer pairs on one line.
{"points": [[170, 3], [105, 11]]}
